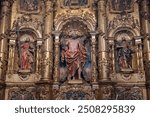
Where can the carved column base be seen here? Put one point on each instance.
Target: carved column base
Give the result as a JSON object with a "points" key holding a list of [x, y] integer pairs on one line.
{"points": [[106, 91], [44, 90]]}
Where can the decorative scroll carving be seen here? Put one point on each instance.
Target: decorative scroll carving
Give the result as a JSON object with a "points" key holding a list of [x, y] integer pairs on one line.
{"points": [[43, 92], [123, 21], [21, 93], [26, 21], [129, 93], [75, 92], [86, 17], [107, 92]]}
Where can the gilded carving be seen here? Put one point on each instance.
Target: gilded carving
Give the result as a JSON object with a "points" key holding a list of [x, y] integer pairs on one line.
{"points": [[42, 92], [107, 92], [118, 6], [29, 6], [128, 93], [75, 92], [21, 93], [124, 20], [26, 21], [87, 42]]}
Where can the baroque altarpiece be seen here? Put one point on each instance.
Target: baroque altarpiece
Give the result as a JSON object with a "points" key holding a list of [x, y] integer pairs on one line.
{"points": [[74, 49]]}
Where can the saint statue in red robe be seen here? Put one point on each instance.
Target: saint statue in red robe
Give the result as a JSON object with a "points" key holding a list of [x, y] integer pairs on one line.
{"points": [[27, 51]]}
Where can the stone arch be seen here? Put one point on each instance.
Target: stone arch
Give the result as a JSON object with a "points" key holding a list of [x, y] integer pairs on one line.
{"points": [[86, 18], [31, 29], [135, 31]]}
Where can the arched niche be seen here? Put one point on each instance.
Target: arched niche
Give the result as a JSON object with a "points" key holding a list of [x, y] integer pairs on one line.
{"points": [[27, 50], [81, 30], [124, 51]]}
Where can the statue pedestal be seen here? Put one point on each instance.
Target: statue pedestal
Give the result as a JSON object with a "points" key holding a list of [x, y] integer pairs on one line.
{"points": [[75, 82], [127, 71], [24, 71]]}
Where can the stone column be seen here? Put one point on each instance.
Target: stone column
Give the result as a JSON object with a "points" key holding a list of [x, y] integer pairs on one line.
{"points": [[38, 55], [102, 45], [12, 44], [145, 15], [93, 56], [138, 42], [4, 26], [57, 57], [48, 42]]}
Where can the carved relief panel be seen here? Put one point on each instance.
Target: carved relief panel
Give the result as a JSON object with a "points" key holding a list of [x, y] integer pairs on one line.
{"points": [[74, 3], [118, 6], [22, 93], [31, 6]]}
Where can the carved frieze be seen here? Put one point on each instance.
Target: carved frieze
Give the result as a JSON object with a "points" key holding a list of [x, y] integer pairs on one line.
{"points": [[123, 20], [128, 93], [26, 21], [75, 92], [74, 4], [21, 93], [84, 16]]}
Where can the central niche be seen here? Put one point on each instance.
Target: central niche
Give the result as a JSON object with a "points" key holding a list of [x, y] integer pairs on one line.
{"points": [[75, 52]]}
